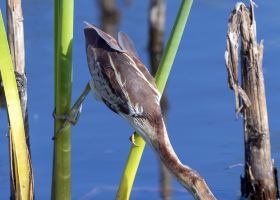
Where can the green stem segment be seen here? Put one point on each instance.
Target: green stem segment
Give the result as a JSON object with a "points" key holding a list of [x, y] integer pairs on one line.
{"points": [[61, 180], [172, 45], [161, 77]]}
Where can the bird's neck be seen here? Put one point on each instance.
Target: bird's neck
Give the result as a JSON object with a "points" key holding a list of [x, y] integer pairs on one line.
{"points": [[158, 138]]}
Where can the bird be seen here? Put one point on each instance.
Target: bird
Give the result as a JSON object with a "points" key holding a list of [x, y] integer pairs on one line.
{"points": [[124, 84]]}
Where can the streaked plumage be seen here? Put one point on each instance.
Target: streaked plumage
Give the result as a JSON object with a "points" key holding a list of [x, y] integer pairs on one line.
{"points": [[123, 83]]}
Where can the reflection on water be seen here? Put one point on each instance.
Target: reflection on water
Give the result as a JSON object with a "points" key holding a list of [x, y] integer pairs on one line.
{"points": [[110, 16]]}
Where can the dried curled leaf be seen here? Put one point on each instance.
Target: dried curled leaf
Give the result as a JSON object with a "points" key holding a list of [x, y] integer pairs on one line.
{"points": [[238, 24]]}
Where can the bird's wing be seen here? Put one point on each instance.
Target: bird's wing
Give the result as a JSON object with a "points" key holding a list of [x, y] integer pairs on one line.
{"points": [[126, 44], [145, 72]]}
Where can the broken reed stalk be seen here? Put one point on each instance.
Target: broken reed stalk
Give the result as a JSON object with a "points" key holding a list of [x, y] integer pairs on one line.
{"points": [[20, 157], [15, 32], [61, 179], [157, 14], [259, 181], [199, 188]]}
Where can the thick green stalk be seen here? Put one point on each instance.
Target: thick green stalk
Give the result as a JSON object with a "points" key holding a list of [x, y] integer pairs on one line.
{"points": [[161, 79], [172, 45], [131, 167], [20, 157], [61, 180]]}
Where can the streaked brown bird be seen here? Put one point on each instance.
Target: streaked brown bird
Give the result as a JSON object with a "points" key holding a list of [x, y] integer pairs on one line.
{"points": [[123, 83]]}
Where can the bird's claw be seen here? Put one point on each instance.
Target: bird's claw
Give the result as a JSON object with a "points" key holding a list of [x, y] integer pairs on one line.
{"points": [[70, 118], [132, 140]]}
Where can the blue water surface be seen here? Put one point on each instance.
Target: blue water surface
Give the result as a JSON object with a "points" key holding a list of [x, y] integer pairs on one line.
{"points": [[201, 121]]}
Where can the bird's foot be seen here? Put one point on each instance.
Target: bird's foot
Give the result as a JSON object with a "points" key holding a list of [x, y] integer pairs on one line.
{"points": [[132, 140], [72, 117], [69, 119]]}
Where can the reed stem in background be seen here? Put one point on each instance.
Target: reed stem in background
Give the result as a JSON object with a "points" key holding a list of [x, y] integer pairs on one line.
{"points": [[157, 18], [20, 157], [109, 16], [61, 180], [161, 77]]}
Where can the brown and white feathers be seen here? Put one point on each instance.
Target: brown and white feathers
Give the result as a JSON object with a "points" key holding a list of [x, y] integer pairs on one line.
{"points": [[119, 78]]}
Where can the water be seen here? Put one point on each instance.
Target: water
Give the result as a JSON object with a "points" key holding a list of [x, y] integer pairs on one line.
{"points": [[201, 121]]}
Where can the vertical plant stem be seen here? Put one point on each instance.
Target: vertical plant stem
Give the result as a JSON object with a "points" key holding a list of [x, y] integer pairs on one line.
{"points": [[131, 167], [20, 157], [172, 45], [161, 77], [63, 26]]}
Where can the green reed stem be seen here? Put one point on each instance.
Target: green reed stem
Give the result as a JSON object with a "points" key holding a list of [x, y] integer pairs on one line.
{"points": [[61, 180]]}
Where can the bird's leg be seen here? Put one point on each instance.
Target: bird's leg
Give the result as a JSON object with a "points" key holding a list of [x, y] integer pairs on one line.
{"points": [[71, 118], [132, 140]]}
